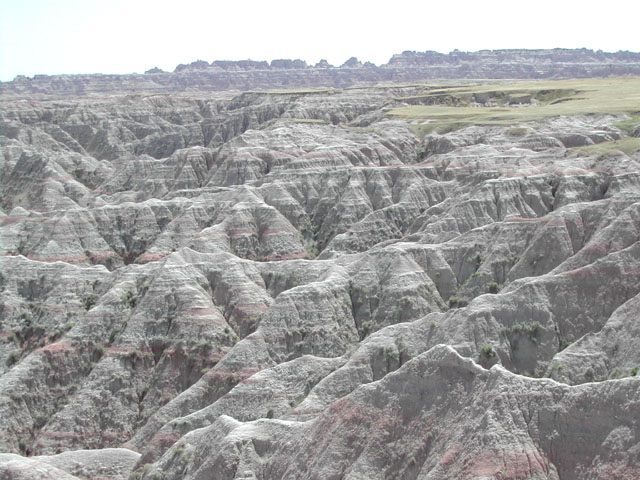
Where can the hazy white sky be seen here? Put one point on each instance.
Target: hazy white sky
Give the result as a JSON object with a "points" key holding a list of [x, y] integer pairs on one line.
{"points": [[122, 36]]}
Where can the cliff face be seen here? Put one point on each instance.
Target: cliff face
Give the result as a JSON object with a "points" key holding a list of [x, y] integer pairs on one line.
{"points": [[297, 285], [403, 68]]}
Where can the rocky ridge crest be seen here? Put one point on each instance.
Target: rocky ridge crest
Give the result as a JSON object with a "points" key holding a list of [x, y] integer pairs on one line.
{"points": [[406, 67]]}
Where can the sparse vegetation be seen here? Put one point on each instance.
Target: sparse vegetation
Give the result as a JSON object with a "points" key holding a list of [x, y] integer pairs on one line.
{"points": [[616, 373], [134, 355], [493, 287], [518, 131], [634, 371], [13, 358], [552, 98], [22, 446], [68, 326], [89, 300], [116, 331], [130, 299], [353, 128], [229, 336], [294, 91], [202, 347], [307, 120], [143, 392], [365, 328], [630, 125], [487, 356], [391, 354], [487, 351], [530, 330], [113, 334], [563, 343], [627, 145], [146, 468]]}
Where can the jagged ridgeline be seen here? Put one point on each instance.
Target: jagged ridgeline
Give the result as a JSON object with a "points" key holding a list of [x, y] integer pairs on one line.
{"points": [[427, 280], [401, 68]]}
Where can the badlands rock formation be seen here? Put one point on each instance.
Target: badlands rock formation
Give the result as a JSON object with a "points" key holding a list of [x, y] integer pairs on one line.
{"points": [[405, 67], [295, 284]]}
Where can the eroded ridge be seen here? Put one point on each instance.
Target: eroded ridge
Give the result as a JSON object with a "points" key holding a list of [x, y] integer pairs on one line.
{"points": [[375, 282]]}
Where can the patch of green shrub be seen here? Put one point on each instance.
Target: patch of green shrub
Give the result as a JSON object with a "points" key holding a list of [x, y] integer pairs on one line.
{"points": [[390, 354], [13, 358], [487, 351], [130, 299], [563, 343], [88, 301], [530, 330], [366, 327]]}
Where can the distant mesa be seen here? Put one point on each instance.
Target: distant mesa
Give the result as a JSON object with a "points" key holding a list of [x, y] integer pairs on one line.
{"points": [[408, 66], [289, 64], [243, 65], [430, 58], [240, 65], [197, 65]]}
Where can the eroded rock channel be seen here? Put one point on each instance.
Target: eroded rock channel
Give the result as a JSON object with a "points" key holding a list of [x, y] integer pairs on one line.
{"points": [[317, 284]]}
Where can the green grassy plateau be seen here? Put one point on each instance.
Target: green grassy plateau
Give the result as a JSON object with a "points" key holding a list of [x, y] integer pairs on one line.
{"points": [[628, 145], [447, 109]]}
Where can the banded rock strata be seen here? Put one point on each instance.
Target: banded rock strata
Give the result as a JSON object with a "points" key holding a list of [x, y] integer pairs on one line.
{"points": [[295, 285]]}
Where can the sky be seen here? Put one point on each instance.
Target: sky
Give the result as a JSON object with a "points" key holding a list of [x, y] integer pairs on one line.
{"points": [[125, 36]]}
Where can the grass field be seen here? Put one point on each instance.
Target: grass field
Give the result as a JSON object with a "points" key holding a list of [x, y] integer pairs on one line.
{"points": [[305, 120], [628, 145], [293, 91], [458, 106]]}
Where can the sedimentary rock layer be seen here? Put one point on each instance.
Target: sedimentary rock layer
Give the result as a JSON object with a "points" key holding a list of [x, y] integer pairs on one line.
{"points": [[405, 67], [297, 285]]}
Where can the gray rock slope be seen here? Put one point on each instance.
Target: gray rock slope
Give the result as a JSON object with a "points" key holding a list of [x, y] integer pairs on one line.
{"points": [[295, 285]]}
